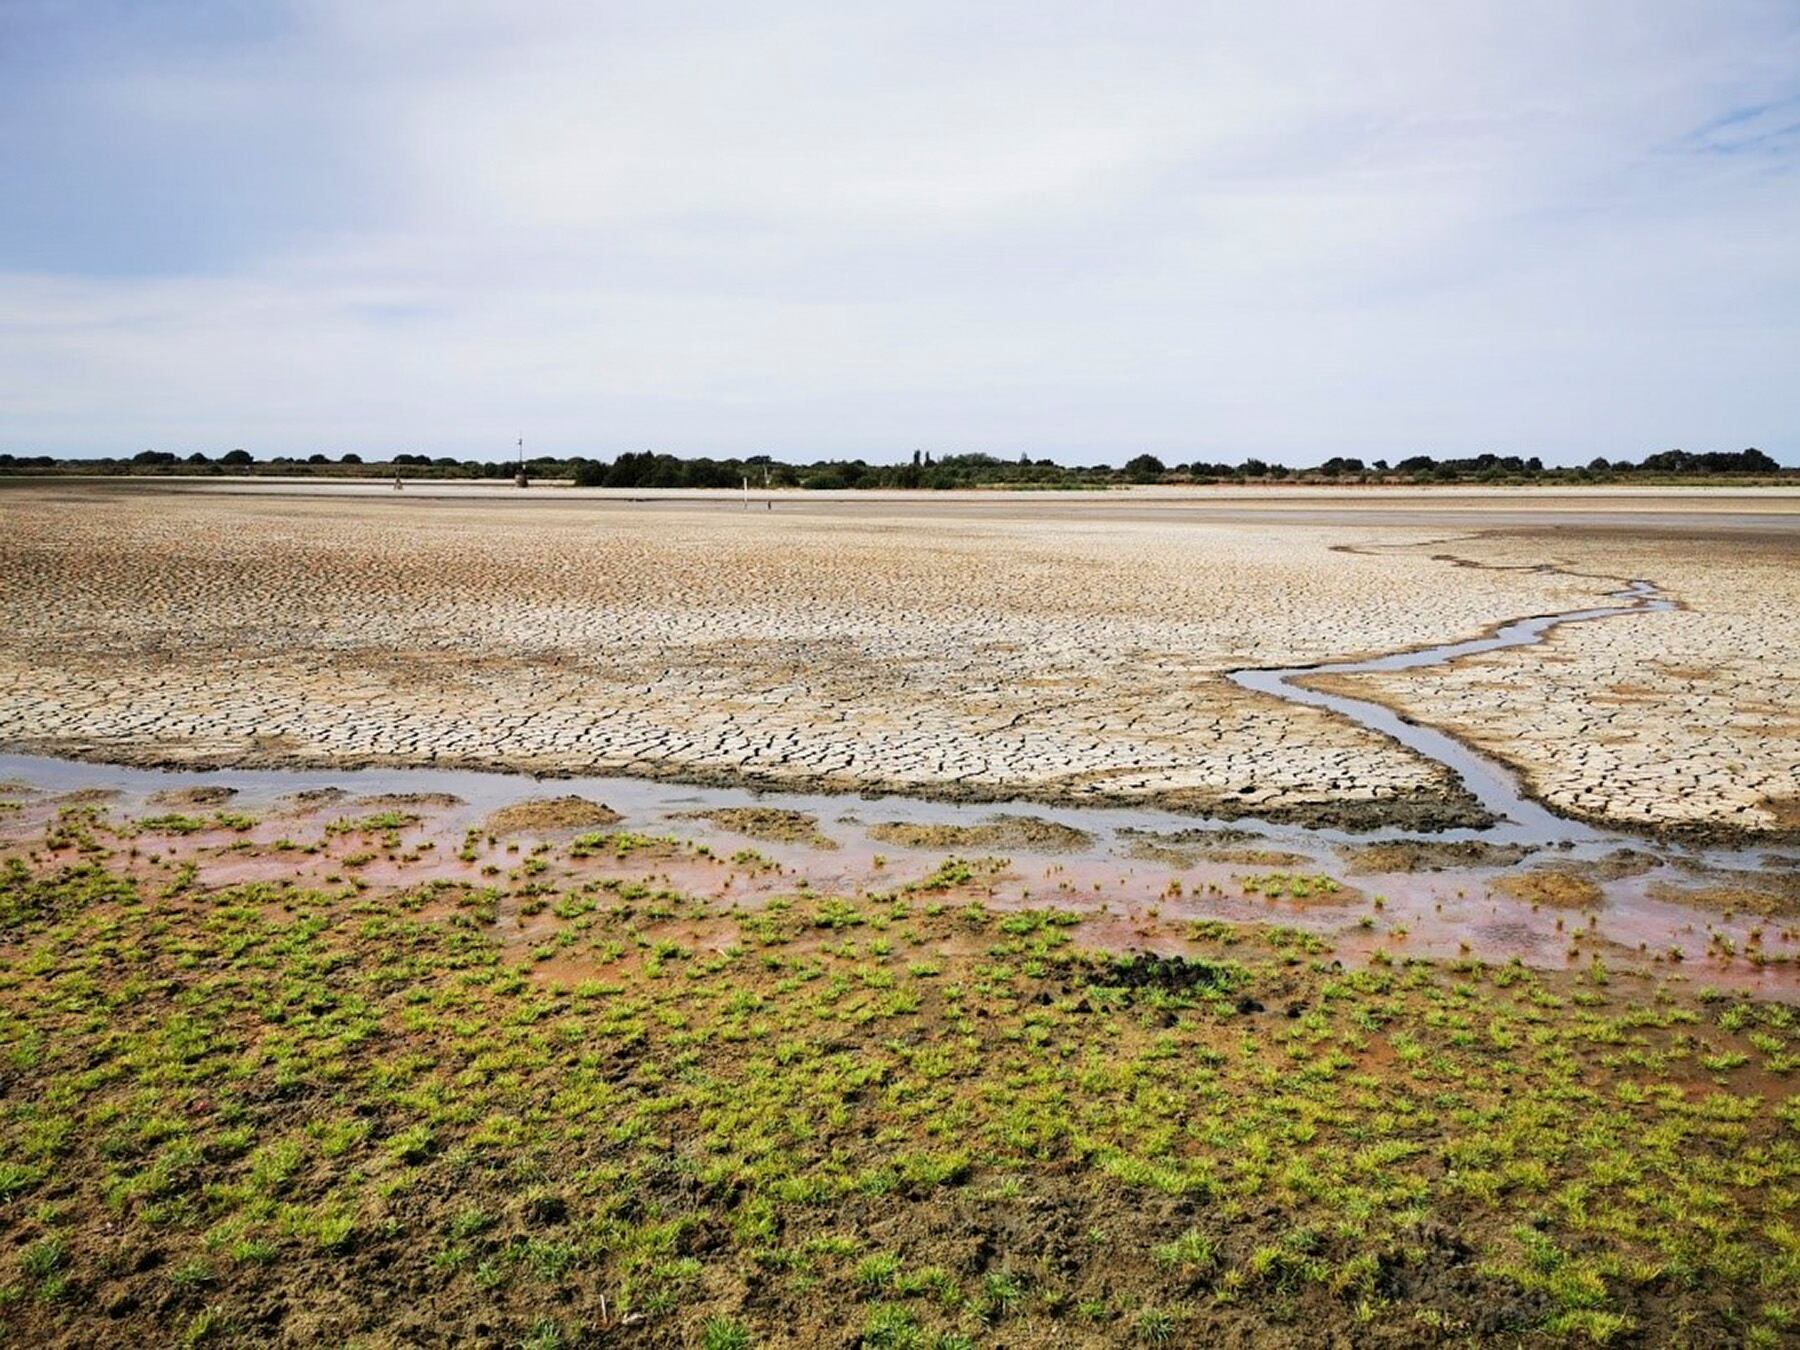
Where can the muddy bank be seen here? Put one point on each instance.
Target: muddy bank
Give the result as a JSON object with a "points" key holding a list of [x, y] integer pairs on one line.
{"points": [[1423, 810], [382, 801], [1018, 834], [770, 823], [1418, 811], [1190, 848], [1554, 888], [194, 796], [1771, 892], [552, 813], [1422, 856]]}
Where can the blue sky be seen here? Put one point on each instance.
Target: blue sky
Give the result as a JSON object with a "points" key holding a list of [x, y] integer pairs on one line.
{"points": [[1206, 230]]}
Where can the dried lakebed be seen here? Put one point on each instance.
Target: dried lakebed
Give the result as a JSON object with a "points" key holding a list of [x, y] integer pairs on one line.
{"points": [[1067, 653], [1673, 902], [319, 1055]]}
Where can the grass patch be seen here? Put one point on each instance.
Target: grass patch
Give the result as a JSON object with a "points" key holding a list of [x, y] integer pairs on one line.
{"points": [[257, 1111]]}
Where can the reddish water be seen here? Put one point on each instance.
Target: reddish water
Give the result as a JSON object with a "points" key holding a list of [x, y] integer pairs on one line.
{"points": [[1134, 904]]}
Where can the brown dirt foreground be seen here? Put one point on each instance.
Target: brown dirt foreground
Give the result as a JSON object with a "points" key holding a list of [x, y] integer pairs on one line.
{"points": [[570, 1104]]}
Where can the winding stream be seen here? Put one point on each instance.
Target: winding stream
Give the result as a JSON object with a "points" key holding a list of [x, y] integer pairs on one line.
{"points": [[1496, 787]]}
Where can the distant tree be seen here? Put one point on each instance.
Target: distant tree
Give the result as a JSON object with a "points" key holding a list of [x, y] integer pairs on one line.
{"points": [[198, 457], [351, 458], [1740, 461], [1599, 464], [1144, 468], [629, 470], [236, 457], [317, 459], [153, 457], [588, 473]]}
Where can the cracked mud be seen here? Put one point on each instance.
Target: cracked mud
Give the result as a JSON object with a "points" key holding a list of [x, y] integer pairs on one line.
{"points": [[1053, 657]]}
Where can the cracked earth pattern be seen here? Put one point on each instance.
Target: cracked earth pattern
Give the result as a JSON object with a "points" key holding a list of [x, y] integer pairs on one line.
{"points": [[1037, 652], [1688, 718]]}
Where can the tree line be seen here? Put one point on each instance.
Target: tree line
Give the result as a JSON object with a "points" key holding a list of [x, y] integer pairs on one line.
{"points": [[648, 469]]}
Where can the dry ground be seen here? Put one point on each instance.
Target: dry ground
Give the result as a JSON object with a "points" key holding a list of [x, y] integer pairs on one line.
{"points": [[1066, 650], [1685, 717]]}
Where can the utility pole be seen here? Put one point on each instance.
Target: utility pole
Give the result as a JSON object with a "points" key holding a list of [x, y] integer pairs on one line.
{"points": [[519, 478]]}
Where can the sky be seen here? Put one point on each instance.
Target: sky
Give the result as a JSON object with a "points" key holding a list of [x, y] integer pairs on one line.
{"points": [[1201, 230]]}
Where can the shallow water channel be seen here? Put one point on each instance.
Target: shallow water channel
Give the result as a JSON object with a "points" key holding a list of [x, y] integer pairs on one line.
{"points": [[1142, 861], [1497, 788]]}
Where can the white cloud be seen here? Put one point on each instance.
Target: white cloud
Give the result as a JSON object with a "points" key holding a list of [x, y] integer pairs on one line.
{"points": [[1208, 229]]}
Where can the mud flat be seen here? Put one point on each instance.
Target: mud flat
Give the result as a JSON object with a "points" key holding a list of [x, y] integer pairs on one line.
{"points": [[302, 1053], [1467, 894], [985, 648], [1025, 834], [551, 814]]}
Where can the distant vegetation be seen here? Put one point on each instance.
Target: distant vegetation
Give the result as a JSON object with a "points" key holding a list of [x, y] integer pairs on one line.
{"points": [[649, 470]]}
